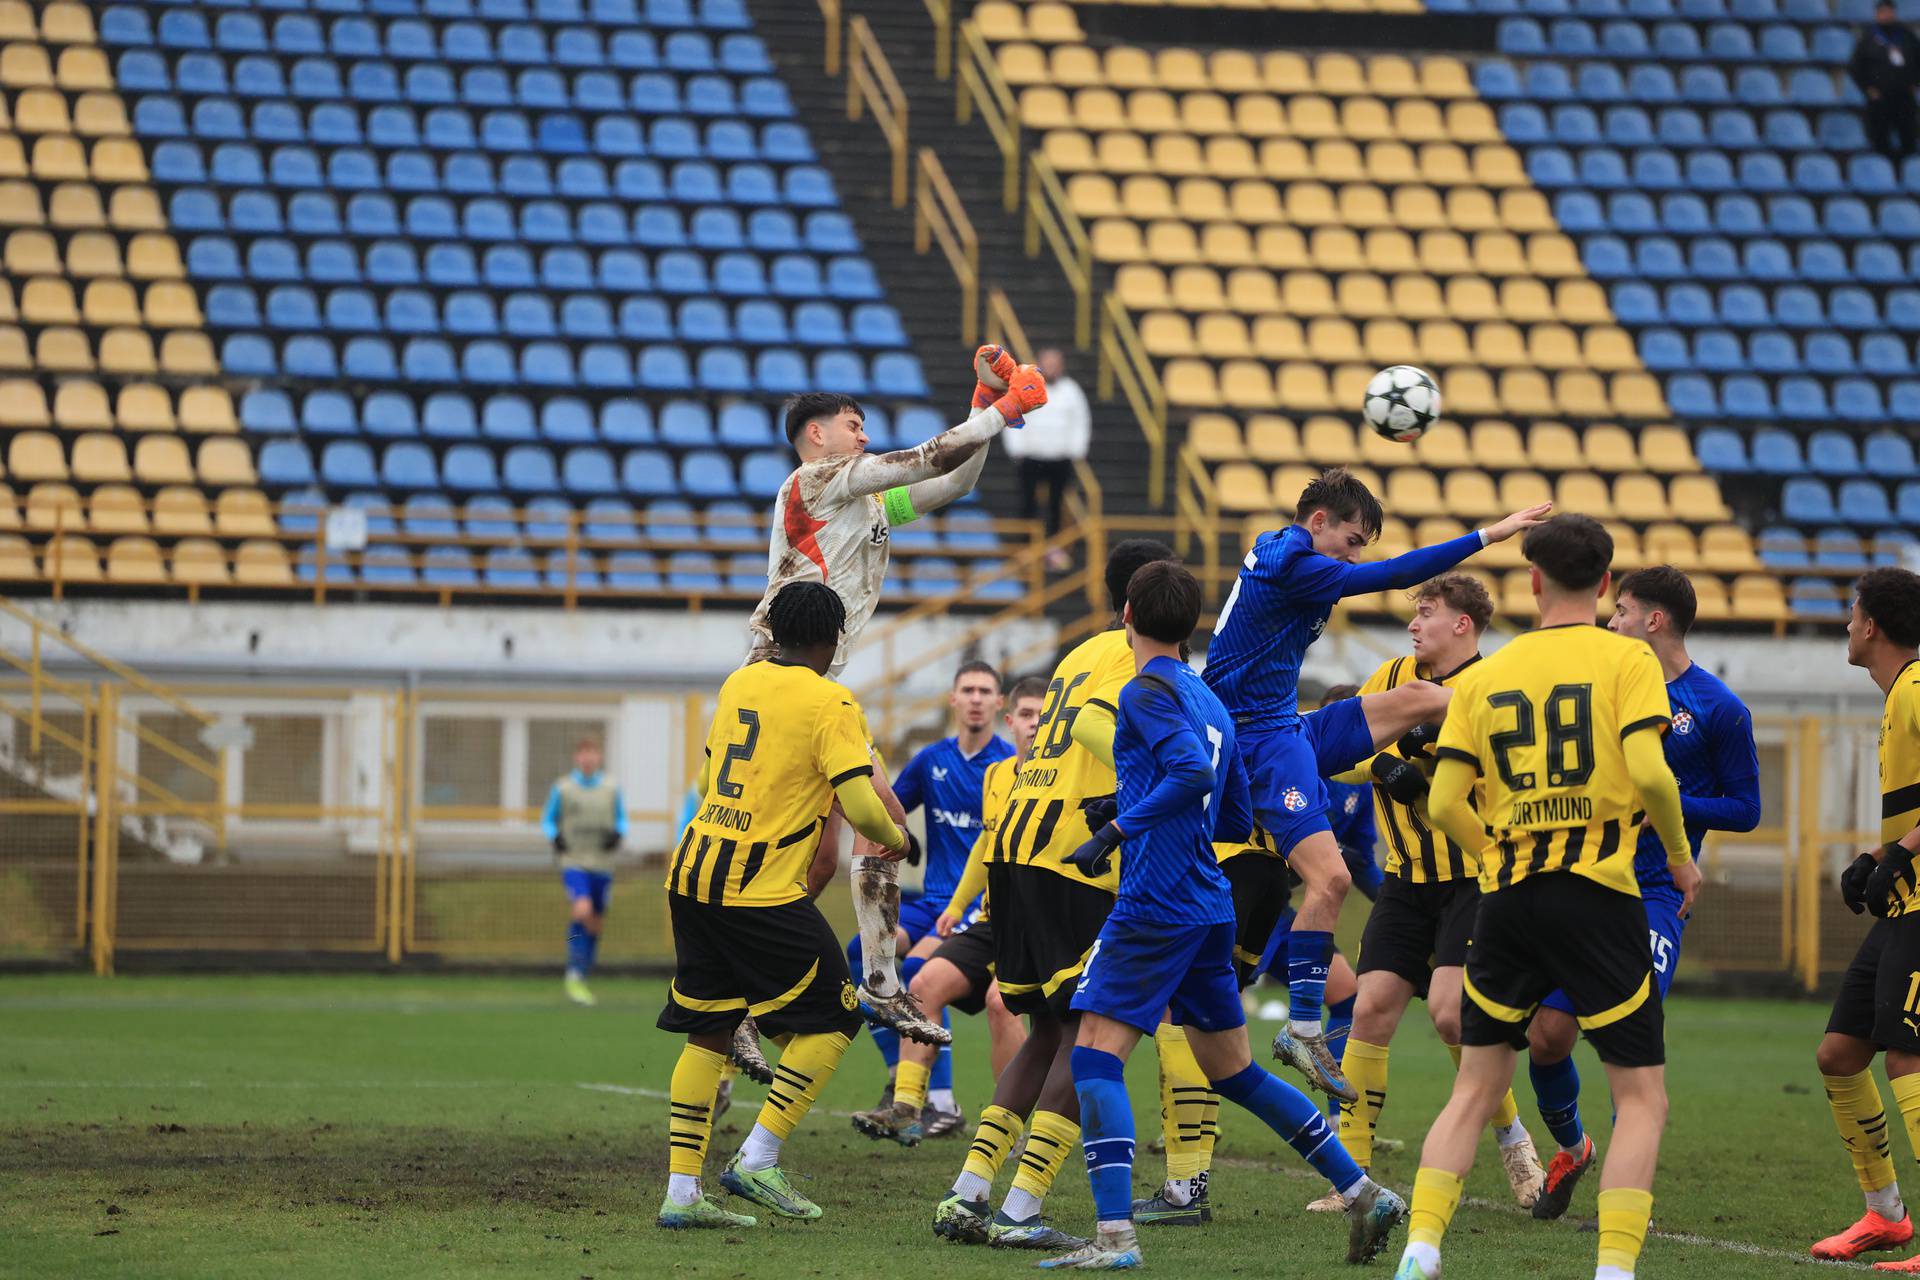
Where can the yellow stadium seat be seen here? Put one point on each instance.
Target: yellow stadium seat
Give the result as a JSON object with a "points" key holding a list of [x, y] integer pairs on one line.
{"points": [[1119, 151], [1201, 200], [1417, 120], [41, 111], [100, 458], [58, 157], [1418, 208], [20, 205], [1666, 448], [1307, 293], [1190, 382], [1096, 109], [1247, 384], [110, 302], [1472, 298], [1444, 446], [116, 508], [1553, 346], [1285, 160], [65, 22], [1279, 338], [23, 404], [1272, 439], [1725, 548], [1417, 297], [259, 563], [1495, 253], [1710, 599], [1637, 395], [1470, 494], [1366, 120], [1371, 447], [1697, 498], [1389, 250], [32, 253], [1226, 244], [1166, 333], [1522, 489], [1609, 349], [1313, 116], [135, 560], [188, 353], [16, 559], [1526, 301], [1436, 529], [1214, 437], [999, 20], [100, 115], [1289, 483], [1469, 391], [1234, 71], [1364, 205], [1093, 195], [1391, 163], [1516, 594], [141, 406], [13, 157], [75, 204], [1311, 204], [1444, 253], [1582, 394], [1045, 107], [1496, 446], [51, 505], [63, 350], [1024, 64], [171, 305], [1554, 446], [1498, 166], [1241, 486], [1413, 493], [1338, 74], [1499, 345], [135, 209], [1286, 73], [1640, 497], [93, 253], [243, 513], [1230, 158], [1443, 165], [1395, 537], [1223, 336], [1526, 392], [162, 459], [1472, 209], [200, 561], [13, 349], [202, 409], [1117, 240], [1075, 66], [1069, 151], [8, 310], [1197, 289], [48, 300], [1259, 115], [1328, 440], [1177, 155], [1206, 114], [1627, 552], [1582, 302], [1390, 75], [70, 558], [16, 21], [1444, 343], [178, 509], [1335, 249], [1128, 67], [1303, 388], [1472, 122], [1527, 211], [1444, 77], [1333, 339], [1182, 70], [1281, 248], [1141, 286], [117, 160], [1668, 543], [1610, 449], [1389, 342], [1584, 492], [1758, 598], [9, 509], [1335, 160], [81, 67], [128, 351]]}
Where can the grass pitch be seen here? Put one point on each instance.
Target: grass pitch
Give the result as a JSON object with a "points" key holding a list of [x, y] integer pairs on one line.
{"points": [[453, 1126]]}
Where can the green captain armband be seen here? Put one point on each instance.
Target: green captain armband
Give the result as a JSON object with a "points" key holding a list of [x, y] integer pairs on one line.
{"points": [[899, 506]]}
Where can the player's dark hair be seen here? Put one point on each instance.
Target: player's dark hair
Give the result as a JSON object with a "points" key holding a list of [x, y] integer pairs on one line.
{"points": [[1125, 560], [1666, 589], [1027, 687], [1164, 598], [1462, 593], [1573, 551], [810, 406], [1344, 496], [1891, 600], [804, 614], [978, 668], [1339, 693]]}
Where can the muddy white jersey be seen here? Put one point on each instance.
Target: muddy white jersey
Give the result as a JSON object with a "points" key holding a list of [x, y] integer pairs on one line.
{"points": [[826, 531]]}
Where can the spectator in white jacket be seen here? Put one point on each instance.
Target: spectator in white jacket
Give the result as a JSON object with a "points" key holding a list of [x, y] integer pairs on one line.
{"points": [[1056, 435]]}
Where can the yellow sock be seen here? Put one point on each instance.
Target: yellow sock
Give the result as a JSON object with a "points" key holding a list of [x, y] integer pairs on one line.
{"points": [[1906, 1096], [690, 1108], [1624, 1213], [1862, 1120], [1508, 1111], [1050, 1141], [1189, 1108], [805, 1066], [999, 1133], [910, 1083], [1436, 1194], [729, 1071], [1365, 1066]]}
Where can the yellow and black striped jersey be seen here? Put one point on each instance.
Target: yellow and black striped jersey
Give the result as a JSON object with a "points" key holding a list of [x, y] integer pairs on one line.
{"points": [[1416, 851], [996, 789], [1900, 772], [783, 737], [1044, 823], [1543, 721]]}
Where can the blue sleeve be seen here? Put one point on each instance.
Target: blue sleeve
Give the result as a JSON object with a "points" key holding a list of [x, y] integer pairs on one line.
{"points": [[1150, 714], [1736, 768], [1233, 808], [619, 813], [910, 787], [1401, 572], [550, 820], [1361, 864]]}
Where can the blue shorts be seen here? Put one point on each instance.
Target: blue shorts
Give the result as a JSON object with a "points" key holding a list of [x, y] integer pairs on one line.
{"points": [[1664, 927], [1340, 736], [918, 914], [581, 883], [1138, 971], [1289, 800]]}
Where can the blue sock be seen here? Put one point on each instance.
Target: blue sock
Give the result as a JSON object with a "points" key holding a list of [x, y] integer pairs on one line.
{"points": [[579, 949], [1339, 1023], [942, 1075], [1309, 956], [593, 951], [1106, 1131], [1556, 1086], [1291, 1114]]}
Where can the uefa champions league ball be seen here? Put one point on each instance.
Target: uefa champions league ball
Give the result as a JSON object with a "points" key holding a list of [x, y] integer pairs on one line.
{"points": [[1402, 403]]}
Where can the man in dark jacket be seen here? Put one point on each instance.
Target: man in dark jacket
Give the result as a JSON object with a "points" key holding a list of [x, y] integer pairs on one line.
{"points": [[1886, 67]]}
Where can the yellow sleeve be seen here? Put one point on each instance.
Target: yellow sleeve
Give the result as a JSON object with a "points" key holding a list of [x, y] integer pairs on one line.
{"points": [[861, 803], [1459, 734], [1643, 695], [973, 881], [1093, 729], [1450, 802], [840, 745], [1653, 780]]}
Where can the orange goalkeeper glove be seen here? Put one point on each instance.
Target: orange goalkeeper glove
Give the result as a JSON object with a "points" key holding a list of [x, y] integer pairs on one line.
{"points": [[993, 368], [1026, 391]]}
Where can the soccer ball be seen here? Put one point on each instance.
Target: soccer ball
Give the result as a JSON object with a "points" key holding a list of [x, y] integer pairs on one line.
{"points": [[1402, 403]]}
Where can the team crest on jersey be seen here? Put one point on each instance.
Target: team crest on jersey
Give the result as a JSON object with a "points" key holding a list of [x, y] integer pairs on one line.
{"points": [[1683, 722], [1351, 803], [849, 998], [1294, 799]]}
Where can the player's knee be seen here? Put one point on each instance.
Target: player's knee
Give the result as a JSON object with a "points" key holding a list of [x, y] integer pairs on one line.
{"points": [[1551, 1038], [1446, 1022], [1334, 883], [1843, 1056]]}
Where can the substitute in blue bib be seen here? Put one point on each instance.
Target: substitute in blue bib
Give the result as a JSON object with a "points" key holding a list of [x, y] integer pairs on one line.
{"points": [[585, 821]]}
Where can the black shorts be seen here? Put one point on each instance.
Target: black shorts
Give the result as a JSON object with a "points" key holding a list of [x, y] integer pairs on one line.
{"points": [[781, 964], [971, 952], [1417, 928], [1262, 888], [1872, 1004], [1043, 926], [1558, 929]]}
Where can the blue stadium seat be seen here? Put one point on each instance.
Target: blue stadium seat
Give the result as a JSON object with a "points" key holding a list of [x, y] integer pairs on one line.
{"points": [[389, 414], [761, 322], [1801, 398], [746, 425], [763, 473], [507, 418], [1864, 502], [1744, 396], [707, 474], [1720, 449], [285, 463], [779, 371], [425, 515], [1807, 501], [1691, 305], [588, 470], [469, 468], [1858, 400], [1774, 352], [567, 420], [686, 423], [1909, 503], [1889, 454], [1832, 453], [328, 413]]}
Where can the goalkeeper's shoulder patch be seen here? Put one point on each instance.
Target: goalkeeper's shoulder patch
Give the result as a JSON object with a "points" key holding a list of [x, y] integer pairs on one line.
{"points": [[899, 506]]}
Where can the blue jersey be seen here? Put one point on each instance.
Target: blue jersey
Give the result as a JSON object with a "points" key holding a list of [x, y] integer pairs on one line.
{"points": [[1280, 604], [1181, 786], [1710, 749], [1350, 815], [949, 784]]}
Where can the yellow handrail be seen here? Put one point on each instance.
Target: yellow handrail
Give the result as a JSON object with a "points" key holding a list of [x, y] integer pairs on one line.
{"points": [[1122, 357], [941, 11], [1050, 216], [871, 83], [830, 10], [120, 670], [981, 84], [939, 215], [1197, 508]]}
